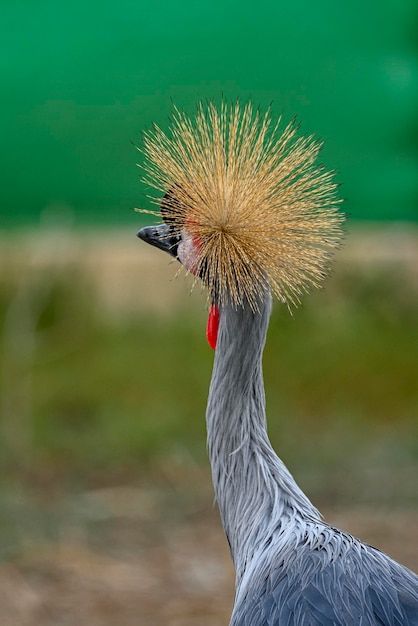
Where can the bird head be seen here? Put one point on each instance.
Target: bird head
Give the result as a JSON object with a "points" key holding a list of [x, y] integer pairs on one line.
{"points": [[184, 246], [246, 207]]}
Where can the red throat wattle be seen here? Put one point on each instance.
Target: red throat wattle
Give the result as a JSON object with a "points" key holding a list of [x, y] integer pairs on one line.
{"points": [[213, 326]]}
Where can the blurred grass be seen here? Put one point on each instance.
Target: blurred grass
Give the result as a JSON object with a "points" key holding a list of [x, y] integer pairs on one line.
{"points": [[93, 397]]}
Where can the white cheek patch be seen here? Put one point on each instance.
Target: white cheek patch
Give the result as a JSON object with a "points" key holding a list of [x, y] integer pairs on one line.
{"points": [[187, 253]]}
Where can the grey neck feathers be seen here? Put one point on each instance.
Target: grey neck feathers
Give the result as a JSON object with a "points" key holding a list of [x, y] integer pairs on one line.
{"points": [[255, 492]]}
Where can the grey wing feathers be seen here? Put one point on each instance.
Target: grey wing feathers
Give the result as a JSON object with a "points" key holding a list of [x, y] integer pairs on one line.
{"points": [[362, 588]]}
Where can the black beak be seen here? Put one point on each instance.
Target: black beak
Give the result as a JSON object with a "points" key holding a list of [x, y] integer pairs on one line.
{"points": [[161, 237]]}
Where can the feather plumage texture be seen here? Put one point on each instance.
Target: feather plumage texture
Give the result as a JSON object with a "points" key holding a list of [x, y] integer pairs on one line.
{"points": [[252, 194], [292, 569]]}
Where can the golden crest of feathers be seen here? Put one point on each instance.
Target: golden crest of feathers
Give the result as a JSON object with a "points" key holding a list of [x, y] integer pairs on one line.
{"points": [[252, 194]]}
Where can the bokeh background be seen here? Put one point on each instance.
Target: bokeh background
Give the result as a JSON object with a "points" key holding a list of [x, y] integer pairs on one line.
{"points": [[105, 497]]}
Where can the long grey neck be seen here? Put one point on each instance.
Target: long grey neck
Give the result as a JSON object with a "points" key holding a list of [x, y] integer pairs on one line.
{"points": [[255, 492]]}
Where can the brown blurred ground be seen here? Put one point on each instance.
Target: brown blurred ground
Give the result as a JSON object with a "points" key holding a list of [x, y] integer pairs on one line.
{"points": [[142, 556], [138, 566]]}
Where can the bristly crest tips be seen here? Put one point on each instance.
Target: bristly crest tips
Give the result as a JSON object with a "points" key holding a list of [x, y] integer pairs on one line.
{"points": [[262, 211]]}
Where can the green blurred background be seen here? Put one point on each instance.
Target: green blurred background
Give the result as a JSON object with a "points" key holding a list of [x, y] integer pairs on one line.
{"points": [[80, 82], [104, 368]]}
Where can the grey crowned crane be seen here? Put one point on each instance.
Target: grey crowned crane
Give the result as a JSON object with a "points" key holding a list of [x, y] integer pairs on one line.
{"points": [[248, 211]]}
